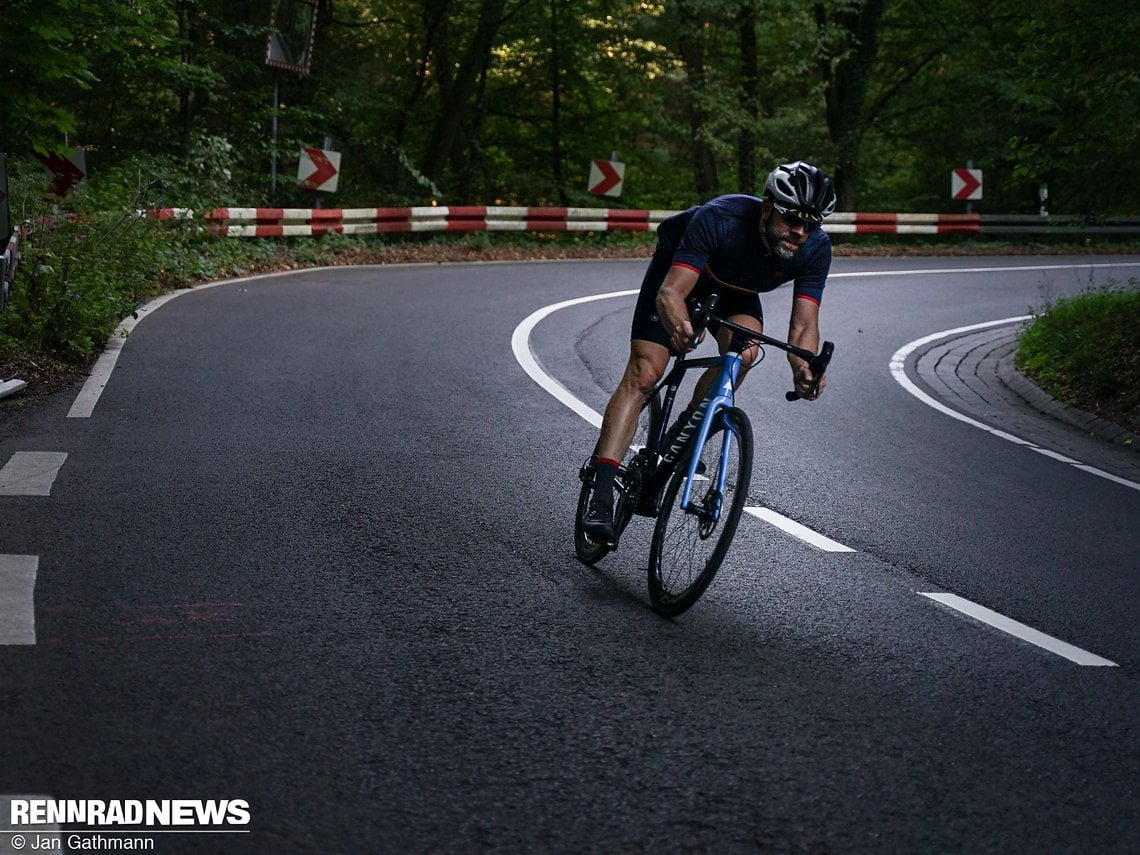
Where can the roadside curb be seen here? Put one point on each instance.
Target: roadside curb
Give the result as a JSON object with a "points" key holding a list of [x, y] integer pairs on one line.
{"points": [[11, 387], [1045, 403]]}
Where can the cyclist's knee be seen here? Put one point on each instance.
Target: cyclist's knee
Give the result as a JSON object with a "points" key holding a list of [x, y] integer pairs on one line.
{"points": [[641, 375]]}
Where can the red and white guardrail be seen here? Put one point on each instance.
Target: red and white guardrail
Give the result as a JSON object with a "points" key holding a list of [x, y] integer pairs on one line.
{"points": [[278, 222], [288, 222]]}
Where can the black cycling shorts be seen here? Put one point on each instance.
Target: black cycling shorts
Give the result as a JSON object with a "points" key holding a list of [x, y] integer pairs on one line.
{"points": [[647, 325]]}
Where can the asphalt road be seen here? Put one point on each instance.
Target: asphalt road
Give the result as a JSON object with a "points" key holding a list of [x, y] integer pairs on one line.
{"points": [[311, 549]]}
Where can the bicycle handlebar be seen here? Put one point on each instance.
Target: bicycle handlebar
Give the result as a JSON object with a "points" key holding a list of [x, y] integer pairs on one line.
{"points": [[703, 314], [818, 365]]}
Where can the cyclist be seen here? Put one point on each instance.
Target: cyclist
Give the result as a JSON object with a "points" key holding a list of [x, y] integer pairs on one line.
{"points": [[739, 246]]}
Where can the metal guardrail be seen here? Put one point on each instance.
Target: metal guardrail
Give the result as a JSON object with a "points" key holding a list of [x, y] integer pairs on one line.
{"points": [[287, 222]]}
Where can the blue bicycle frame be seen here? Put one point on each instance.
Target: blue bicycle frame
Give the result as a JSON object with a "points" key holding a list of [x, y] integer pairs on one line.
{"points": [[719, 397]]}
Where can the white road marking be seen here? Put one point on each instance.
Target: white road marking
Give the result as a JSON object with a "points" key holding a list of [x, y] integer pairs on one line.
{"points": [[798, 530], [17, 598], [952, 270], [520, 344], [1020, 630], [30, 473], [898, 371]]}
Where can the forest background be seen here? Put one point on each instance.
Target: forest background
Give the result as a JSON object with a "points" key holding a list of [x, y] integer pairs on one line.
{"points": [[459, 102], [508, 101]]}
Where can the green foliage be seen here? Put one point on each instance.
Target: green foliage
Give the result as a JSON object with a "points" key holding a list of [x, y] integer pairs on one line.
{"points": [[82, 270], [178, 88], [1086, 350]]}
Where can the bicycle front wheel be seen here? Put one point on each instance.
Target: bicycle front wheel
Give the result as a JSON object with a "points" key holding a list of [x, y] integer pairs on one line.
{"points": [[689, 545]]}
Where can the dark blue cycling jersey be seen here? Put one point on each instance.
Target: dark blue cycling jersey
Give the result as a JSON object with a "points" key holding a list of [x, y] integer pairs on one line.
{"points": [[721, 241]]}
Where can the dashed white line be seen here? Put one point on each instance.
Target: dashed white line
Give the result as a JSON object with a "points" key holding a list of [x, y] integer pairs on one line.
{"points": [[31, 473], [17, 598], [799, 530], [1019, 630]]}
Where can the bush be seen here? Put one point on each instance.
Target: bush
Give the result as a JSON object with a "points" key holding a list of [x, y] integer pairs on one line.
{"points": [[1085, 350]]}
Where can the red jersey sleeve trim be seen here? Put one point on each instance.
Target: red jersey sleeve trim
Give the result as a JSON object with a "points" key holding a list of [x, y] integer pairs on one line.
{"points": [[807, 297], [696, 270]]}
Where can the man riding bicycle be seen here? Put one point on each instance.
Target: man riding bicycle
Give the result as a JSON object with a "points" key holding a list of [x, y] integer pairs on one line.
{"points": [[738, 246]]}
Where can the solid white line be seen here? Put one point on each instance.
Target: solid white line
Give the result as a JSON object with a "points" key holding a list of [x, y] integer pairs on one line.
{"points": [[1020, 630], [31, 473], [520, 344], [898, 371], [1013, 269], [17, 598], [798, 530]]}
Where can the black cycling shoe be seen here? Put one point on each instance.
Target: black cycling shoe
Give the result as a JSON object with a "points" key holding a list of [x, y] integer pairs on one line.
{"points": [[598, 521]]}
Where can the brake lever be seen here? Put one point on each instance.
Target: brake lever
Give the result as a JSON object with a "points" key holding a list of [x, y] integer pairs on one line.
{"points": [[818, 366], [700, 317]]}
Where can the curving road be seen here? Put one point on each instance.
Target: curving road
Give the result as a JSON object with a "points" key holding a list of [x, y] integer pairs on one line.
{"points": [[306, 544]]}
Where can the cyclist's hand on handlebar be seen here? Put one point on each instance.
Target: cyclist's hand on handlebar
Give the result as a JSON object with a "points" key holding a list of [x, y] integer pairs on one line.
{"points": [[675, 318], [804, 382], [681, 340]]}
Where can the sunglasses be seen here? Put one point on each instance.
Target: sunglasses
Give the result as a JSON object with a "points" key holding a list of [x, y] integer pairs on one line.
{"points": [[795, 217]]}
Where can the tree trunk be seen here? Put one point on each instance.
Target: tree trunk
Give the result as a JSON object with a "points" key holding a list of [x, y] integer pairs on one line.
{"points": [[556, 106], [692, 49], [749, 98], [847, 83], [457, 100]]}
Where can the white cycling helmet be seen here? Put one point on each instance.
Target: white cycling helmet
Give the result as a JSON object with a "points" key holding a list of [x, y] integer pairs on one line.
{"points": [[802, 190]]}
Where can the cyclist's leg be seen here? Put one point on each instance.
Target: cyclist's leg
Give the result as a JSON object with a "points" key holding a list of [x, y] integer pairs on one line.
{"points": [[647, 363], [648, 359]]}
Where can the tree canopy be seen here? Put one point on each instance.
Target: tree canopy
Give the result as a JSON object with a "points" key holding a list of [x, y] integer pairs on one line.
{"points": [[508, 101]]}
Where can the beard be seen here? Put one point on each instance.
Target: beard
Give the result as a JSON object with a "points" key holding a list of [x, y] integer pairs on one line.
{"points": [[776, 236], [781, 251], [776, 243]]}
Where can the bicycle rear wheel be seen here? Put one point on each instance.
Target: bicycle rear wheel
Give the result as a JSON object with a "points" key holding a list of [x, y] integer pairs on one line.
{"points": [[689, 546], [590, 551]]}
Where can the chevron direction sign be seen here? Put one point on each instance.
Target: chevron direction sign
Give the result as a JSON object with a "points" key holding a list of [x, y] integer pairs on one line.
{"points": [[606, 177], [67, 169], [318, 169], [966, 184]]}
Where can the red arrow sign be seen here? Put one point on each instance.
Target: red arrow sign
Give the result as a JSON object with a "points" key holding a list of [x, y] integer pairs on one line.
{"points": [[966, 184], [606, 178], [324, 169], [67, 174]]}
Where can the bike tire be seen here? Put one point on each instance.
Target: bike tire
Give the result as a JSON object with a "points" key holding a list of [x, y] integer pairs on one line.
{"points": [[689, 548], [591, 551]]}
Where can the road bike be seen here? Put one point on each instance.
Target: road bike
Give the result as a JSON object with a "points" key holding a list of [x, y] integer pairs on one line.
{"points": [[692, 478]]}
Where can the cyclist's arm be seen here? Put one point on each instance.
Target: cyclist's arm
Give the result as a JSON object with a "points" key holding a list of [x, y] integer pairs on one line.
{"points": [[803, 331], [679, 283]]}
